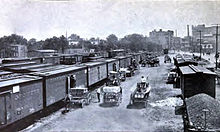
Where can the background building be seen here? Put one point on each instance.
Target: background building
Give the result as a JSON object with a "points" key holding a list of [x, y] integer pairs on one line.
{"points": [[164, 38], [208, 37]]}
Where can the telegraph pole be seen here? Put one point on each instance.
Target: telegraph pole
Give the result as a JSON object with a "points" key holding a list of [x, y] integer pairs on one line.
{"points": [[200, 42], [216, 58], [216, 49]]}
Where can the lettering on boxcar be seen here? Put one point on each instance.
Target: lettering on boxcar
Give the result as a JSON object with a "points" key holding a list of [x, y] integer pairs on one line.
{"points": [[16, 89]]}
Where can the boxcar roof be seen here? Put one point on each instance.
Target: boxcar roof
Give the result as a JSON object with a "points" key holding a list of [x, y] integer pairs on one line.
{"points": [[17, 64], [94, 63], [110, 60], [17, 80], [120, 57], [195, 69], [32, 66], [54, 67], [4, 72], [58, 71]]}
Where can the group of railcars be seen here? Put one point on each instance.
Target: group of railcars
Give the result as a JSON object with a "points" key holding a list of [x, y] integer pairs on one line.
{"points": [[198, 88], [34, 86]]}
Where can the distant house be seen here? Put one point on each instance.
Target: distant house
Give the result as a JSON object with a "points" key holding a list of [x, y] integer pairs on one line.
{"points": [[72, 42], [19, 51], [14, 51]]}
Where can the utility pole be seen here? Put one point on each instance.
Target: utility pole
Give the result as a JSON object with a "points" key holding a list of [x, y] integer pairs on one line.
{"points": [[200, 43], [216, 48]]}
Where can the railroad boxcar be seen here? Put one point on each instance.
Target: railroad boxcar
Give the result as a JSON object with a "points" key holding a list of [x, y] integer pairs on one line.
{"points": [[55, 81], [52, 59], [97, 72], [129, 59], [20, 97], [70, 58], [124, 61], [138, 57], [195, 80], [112, 65], [37, 60]]}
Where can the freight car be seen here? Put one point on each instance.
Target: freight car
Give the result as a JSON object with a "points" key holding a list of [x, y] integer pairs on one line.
{"points": [[20, 97], [112, 65], [195, 80], [21, 60], [124, 61], [55, 81], [46, 83], [96, 72]]}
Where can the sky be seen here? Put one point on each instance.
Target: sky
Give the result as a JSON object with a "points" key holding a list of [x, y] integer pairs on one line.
{"points": [[42, 19]]}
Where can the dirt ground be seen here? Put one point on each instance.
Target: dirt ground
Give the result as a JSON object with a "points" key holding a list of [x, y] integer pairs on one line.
{"points": [[158, 116]]}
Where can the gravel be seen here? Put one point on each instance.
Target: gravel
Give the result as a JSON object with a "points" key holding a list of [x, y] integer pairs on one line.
{"points": [[195, 106]]}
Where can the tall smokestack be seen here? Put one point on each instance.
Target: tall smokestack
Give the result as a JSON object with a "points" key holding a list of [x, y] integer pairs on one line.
{"points": [[188, 30]]}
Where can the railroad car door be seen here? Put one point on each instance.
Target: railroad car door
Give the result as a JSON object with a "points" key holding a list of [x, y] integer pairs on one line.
{"points": [[2, 110], [8, 107], [114, 67], [98, 68], [5, 108]]}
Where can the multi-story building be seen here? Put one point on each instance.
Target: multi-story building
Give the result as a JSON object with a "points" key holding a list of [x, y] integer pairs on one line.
{"points": [[186, 43], [177, 43], [208, 37], [19, 51], [164, 38]]}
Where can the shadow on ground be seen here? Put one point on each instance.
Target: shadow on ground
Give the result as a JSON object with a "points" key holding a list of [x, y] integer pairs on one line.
{"points": [[136, 106], [108, 105]]}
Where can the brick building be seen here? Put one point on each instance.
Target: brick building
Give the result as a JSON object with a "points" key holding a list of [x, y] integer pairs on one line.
{"points": [[208, 37], [164, 38]]}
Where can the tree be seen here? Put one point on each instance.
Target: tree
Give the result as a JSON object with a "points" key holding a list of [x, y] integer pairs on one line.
{"points": [[55, 43], [74, 37], [63, 43], [7, 41], [134, 42], [112, 41]]}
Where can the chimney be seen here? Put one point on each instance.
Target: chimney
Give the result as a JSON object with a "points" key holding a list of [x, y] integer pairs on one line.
{"points": [[188, 30]]}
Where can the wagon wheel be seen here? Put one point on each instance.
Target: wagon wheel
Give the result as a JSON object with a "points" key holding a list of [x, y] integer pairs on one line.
{"points": [[145, 104], [83, 103], [88, 101], [131, 100], [120, 98], [117, 104]]}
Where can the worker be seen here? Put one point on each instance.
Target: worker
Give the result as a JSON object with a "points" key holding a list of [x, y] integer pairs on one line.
{"points": [[98, 94], [143, 79], [67, 104], [72, 81], [144, 82], [115, 82]]}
